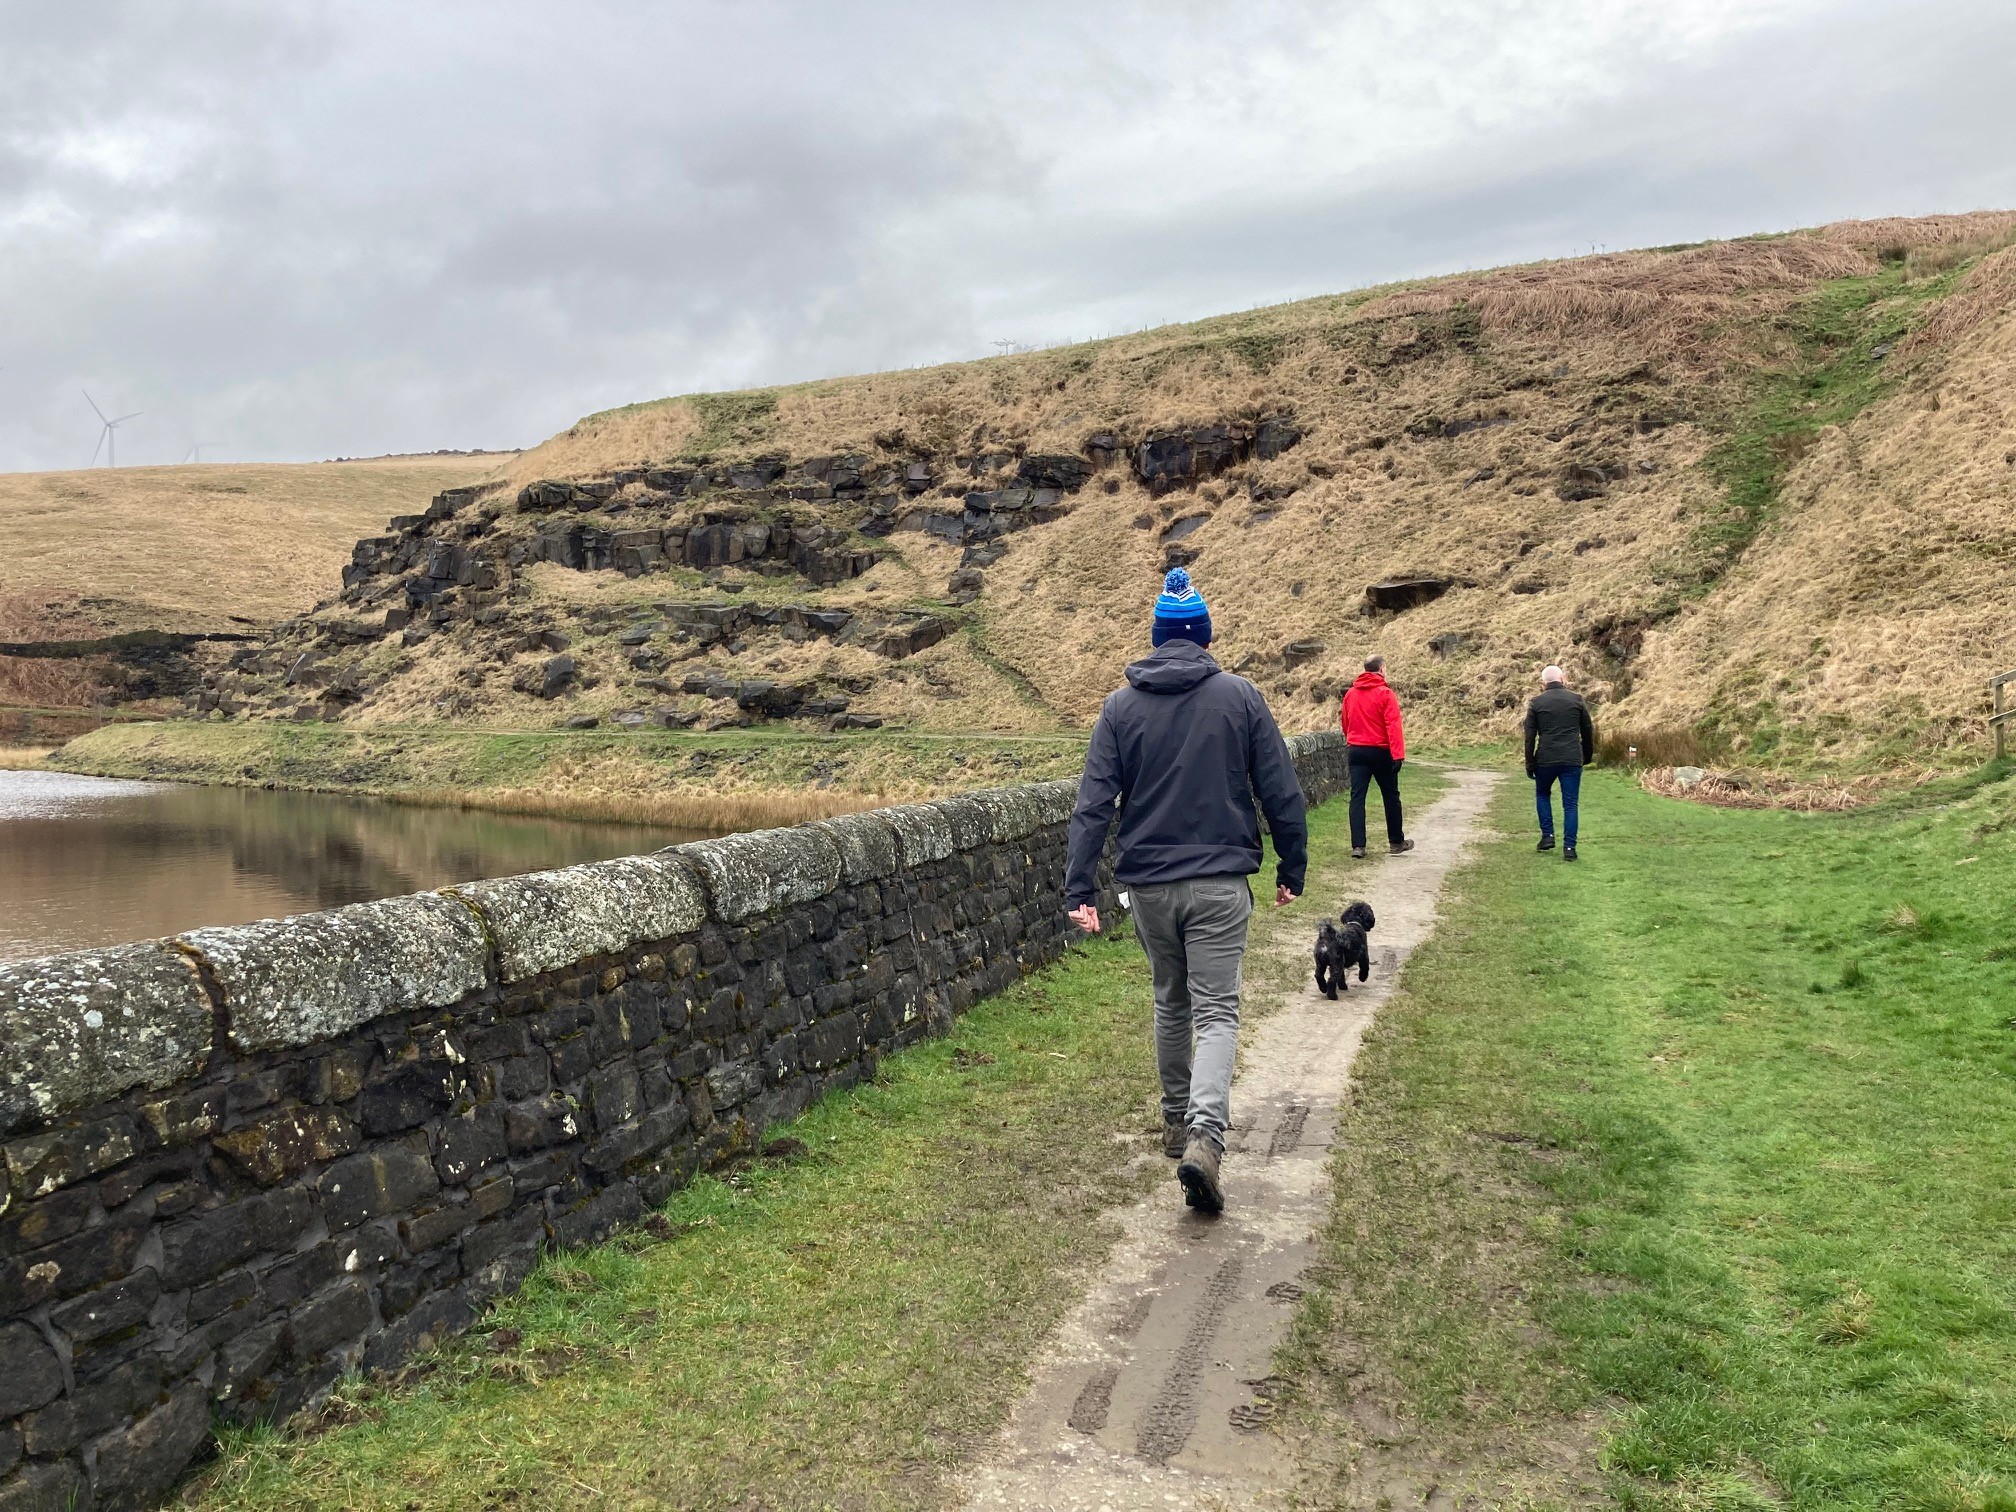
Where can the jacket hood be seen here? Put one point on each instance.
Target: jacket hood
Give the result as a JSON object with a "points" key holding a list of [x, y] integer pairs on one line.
{"points": [[1176, 667], [1369, 680]]}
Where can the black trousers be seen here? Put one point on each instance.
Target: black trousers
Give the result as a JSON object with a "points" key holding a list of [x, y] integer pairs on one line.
{"points": [[1370, 764]]}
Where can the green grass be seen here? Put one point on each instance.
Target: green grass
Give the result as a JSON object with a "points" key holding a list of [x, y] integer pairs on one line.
{"points": [[1832, 366], [1698, 1151], [839, 1329]]}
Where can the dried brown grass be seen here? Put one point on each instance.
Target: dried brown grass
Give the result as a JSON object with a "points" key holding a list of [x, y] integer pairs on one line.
{"points": [[718, 813], [46, 682], [1878, 605], [1631, 745], [22, 758], [1671, 296], [1749, 790], [207, 547]]}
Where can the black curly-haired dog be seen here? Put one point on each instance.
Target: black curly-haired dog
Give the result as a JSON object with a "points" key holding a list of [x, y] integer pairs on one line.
{"points": [[1339, 949]]}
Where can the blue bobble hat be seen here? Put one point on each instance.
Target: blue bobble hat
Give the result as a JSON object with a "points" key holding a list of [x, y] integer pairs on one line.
{"points": [[1180, 611]]}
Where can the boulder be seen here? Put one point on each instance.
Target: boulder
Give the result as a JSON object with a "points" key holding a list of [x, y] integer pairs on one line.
{"points": [[1298, 653]]}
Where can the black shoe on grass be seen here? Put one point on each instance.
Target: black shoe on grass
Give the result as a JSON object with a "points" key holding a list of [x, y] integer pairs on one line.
{"points": [[1568, 854], [1199, 1175], [1546, 843]]}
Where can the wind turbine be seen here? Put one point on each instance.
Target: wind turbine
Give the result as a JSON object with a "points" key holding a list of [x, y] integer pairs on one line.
{"points": [[195, 452], [107, 438]]}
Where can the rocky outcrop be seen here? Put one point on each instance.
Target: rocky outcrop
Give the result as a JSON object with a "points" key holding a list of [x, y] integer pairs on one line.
{"points": [[245, 1162]]}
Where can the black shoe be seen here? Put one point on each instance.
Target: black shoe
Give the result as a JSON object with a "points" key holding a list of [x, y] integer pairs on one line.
{"points": [[1546, 843], [1357, 853], [1568, 854], [1199, 1175], [1401, 849]]}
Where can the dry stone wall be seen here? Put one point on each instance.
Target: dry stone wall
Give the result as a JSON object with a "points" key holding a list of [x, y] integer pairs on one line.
{"points": [[245, 1161]]}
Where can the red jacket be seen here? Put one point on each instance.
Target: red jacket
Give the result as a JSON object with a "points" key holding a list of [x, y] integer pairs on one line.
{"points": [[1371, 715]]}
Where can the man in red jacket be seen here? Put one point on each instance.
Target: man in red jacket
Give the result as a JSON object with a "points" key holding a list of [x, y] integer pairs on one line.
{"points": [[1371, 720]]}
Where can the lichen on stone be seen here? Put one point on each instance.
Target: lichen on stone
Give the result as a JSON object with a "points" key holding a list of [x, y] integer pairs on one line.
{"points": [[761, 870], [310, 977], [79, 1028], [548, 920]]}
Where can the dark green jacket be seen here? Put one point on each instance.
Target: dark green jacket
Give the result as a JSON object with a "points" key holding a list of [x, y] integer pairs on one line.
{"points": [[1558, 731]]}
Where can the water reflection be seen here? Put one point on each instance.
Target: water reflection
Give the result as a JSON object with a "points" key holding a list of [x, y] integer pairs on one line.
{"points": [[89, 861]]}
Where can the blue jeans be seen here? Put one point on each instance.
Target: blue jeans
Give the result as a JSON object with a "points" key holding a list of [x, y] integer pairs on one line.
{"points": [[1570, 778]]}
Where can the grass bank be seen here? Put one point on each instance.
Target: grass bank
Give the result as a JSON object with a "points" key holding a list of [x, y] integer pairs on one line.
{"points": [[1682, 1174], [732, 779], [843, 1326]]}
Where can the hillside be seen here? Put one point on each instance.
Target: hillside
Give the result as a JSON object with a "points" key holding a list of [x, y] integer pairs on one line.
{"points": [[201, 549], [1759, 487]]}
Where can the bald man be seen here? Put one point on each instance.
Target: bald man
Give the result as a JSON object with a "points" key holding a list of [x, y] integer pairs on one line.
{"points": [[1560, 741]]}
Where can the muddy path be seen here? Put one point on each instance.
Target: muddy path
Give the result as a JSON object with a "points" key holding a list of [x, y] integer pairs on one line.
{"points": [[1155, 1391]]}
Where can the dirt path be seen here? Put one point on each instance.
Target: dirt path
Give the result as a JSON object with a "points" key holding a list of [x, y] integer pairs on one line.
{"points": [[1154, 1391]]}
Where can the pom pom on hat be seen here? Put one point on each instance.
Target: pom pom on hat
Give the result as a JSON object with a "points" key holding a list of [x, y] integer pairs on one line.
{"points": [[1180, 610]]}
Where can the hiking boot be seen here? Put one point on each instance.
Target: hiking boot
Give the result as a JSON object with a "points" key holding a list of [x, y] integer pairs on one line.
{"points": [[1568, 854], [1357, 853], [1175, 1137], [1401, 849], [1199, 1175], [1546, 843]]}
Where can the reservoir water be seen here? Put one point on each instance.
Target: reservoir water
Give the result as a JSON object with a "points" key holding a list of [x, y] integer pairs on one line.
{"points": [[88, 861]]}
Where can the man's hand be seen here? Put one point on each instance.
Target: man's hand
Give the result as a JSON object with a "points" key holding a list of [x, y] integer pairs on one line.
{"points": [[1086, 917], [1283, 897]]}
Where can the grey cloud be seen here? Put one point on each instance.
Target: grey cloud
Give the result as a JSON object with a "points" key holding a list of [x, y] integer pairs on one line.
{"points": [[358, 227]]}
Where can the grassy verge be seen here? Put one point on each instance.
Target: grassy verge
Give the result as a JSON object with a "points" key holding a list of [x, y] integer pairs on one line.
{"points": [[1830, 367], [841, 1327], [1696, 1152], [730, 779]]}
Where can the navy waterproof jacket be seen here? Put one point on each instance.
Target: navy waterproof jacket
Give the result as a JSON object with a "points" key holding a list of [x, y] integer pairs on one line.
{"points": [[1183, 749]]}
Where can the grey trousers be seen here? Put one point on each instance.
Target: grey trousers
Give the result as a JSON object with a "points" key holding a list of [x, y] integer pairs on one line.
{"points": [[1195, 935]]}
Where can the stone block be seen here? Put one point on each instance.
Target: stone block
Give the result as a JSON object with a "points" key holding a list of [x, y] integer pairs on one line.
{"points": [[135, 1465], [1055, 800], [1013, 813], [43, 1163], [32, 1378], [549, 920], [31, 1225], [197, 1247], [77, 1264], [91, 1410], [106, 1311], [734, 1082], [423, 1231], [469, 1143], [190, 1116], [407, 1096], [83, 1027], [923, 833], [54, 1487], [867, 845], [972, 825], [329, 1322], [757, 872], [376, 1182], [311, 977], [286, 1144]]}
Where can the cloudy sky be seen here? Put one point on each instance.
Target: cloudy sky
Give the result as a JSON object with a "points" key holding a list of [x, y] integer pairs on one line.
{"points": [[308, 229]]}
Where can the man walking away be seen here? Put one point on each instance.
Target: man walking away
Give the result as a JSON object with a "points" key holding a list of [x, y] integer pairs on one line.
{"points": [[1560, 741], [1183, 748], [1371, 721]]}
